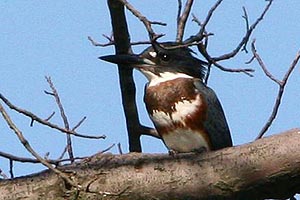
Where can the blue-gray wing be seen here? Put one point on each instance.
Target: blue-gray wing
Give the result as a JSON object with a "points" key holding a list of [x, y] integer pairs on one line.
{"points": [[215, 124]]}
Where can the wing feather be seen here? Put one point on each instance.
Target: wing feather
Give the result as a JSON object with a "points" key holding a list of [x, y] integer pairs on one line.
{"points": [[215, 124]]}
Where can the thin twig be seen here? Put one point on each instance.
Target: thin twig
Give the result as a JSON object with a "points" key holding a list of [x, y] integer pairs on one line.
{"points": [[3, 174], [207, 74], [20, 159], [11, 168], [120, 148], [79, 123], [214, 60], [180, 45], [199, 36], [66, 147], [261, 63], [44, 122], [149, 131], [181, 21], [248, 33], [205, 33], [202, 46], [202, 50], [281, 83], [144, 20], [50, 116], [63, 153], [107, 149], [196, 20], [246, 18], [179, 10], [110, 43], [31, 123], [32, 160], [31, 150], [63, 116]]}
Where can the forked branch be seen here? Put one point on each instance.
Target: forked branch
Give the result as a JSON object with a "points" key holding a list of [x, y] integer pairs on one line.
{"points": [[28, 147], [248, 33], [281, 83], [182, 18], [144, 20], [46, 122]]}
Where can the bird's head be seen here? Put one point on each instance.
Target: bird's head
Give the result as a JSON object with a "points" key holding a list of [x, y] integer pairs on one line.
{"points": [[162, 60]]}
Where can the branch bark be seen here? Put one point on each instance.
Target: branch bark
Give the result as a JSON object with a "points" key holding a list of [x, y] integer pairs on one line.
{"points": [[266, 168], [122, 46]]}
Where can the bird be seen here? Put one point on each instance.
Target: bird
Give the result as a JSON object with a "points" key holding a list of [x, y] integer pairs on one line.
{"points": [[186, 113]]}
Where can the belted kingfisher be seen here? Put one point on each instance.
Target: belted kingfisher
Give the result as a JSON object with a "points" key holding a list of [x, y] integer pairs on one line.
{"points": [[185, 112]]}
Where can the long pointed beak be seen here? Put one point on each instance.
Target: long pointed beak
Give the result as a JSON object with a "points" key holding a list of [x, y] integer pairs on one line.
{"points": [[127, 59]]}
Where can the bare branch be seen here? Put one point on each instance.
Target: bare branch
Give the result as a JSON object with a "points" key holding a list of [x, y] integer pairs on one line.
{"points": [[179, 10], [20, 159], [11, 168], [107, 149], [144, 20], [44, 122], [50, 116], [247, 35], [203, 51], [181, 21], [261, 63], [63, 152], [127, 85], [199, 36], [214, 60], [79, 123], [149, 131], [32, 160], [3, 174], [63, 116], [109, 43], [58, 102], [207, 73], [95, 43], [281, 84], [31, 150], [245, 16], [205, 33], [120, 148]]}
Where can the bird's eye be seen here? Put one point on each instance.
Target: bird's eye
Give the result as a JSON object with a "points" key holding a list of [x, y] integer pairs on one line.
{"points": [[164, 57]]}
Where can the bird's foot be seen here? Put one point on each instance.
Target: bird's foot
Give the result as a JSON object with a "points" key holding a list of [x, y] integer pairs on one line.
{"points": [[200, 150], [173, 153]]}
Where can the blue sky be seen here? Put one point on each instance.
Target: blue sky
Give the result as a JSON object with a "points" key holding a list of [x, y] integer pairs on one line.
{"points": [[49, 38]]}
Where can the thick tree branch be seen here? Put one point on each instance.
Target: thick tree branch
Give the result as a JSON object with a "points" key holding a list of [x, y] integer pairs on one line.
{"points": [[128, 90], [266, 168], [122, 46]]}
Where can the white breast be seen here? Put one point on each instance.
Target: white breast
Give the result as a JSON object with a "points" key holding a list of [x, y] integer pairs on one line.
{"points": [[182, 109], [185, 140]]}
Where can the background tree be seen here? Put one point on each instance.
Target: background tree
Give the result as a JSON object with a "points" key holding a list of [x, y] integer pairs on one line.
{"points": [[138, 160]]}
